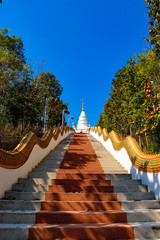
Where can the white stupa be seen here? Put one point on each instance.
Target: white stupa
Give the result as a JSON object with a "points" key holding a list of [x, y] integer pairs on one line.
{"points": [[82, 125]]}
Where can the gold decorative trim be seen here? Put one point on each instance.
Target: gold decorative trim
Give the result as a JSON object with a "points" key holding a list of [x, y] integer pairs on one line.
{"points": [[144, 162], [19, 155]]}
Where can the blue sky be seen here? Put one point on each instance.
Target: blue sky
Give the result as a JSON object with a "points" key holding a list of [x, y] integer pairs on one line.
{"points": [[83, 42]]}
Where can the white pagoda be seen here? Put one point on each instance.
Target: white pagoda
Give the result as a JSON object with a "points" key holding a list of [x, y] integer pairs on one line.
{"points": [[82, 125]]}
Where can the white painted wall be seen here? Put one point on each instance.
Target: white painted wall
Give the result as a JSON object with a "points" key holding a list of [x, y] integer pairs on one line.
{"points": [[10, 176], [152, 180]]}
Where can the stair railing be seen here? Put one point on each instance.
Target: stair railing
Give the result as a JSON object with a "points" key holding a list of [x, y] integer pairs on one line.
{"points": [[128, 152]]}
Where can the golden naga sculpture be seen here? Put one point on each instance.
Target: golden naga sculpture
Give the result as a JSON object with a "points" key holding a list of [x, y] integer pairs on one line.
{"points": [[140, 160], [19, 155]]}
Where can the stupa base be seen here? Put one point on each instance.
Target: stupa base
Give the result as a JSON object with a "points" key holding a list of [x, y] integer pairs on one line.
{"points": [[82, 130]]}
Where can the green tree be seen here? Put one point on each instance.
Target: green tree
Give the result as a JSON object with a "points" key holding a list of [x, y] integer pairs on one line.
{"points": [[134, 104], [13, 69], [45, 86], [22, 99], [154, 21], [149, 68], [21, 106], [12, 60]]}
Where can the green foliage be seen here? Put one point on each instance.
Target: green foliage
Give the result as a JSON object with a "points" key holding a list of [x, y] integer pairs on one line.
{"points": [[154, 21], [10, 136], [22, 97], [134, 107], [46, 86], [12, 60], [21, 104]]}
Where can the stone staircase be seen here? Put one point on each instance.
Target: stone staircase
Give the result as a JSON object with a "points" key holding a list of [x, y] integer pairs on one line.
{"points": [[79, 195]]}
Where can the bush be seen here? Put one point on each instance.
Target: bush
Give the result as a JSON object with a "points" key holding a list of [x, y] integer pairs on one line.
{"points": [[11, 136]]}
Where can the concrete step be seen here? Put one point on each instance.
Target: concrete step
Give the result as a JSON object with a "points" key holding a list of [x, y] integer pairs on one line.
{"points": [[73, 173], [54, 157], [20, 205], [106, 162], [17, 217], [64, 146], [90, 170], [101, 182], [79, 196], [30, 187], [81, 176], [99, 196], [111, 167], [135, 196], [49, 164], [99, 206], [50, 175], [46, 169], [72, 168], [47, 161], [130, 188], [84, 182], [14, 231], [81, 171], [93, 176], [125, 182], [141, 204], [147, 231], [42, 181], [94, 189], [58, 150], [79, 206], [144, 215], [26, 196], [105, 158], [111, 216], [84, 217], [114, 177], [76, 217], [78, 189], [82, 231], [61, 188], [110, 163], [107, 171], [60, 231]]}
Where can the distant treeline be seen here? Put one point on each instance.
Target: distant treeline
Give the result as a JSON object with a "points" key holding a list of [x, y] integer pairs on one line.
{"points": [[134, 104]]}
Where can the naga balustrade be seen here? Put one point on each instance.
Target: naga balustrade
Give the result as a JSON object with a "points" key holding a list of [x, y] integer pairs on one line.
{"points": [[128, 152], [29, 152]]}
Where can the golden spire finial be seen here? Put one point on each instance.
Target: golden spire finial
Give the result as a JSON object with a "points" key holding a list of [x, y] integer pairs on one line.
{"points": [[82, 104]]}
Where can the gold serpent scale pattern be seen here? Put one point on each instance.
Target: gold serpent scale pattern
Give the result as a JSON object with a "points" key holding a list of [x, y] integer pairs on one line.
{"points": [[144, 162], [19, 155]]}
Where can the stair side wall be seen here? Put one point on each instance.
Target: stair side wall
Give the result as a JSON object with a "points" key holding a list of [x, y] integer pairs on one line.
{"points": [[10, 176], [152, 180]]}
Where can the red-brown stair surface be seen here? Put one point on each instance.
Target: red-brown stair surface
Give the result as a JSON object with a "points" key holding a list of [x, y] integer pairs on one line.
{"points": [[80, 203]]}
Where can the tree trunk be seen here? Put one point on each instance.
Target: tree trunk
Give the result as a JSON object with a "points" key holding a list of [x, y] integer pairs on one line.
{"points": [[130, 130], [147, 141], [140, 142]]}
